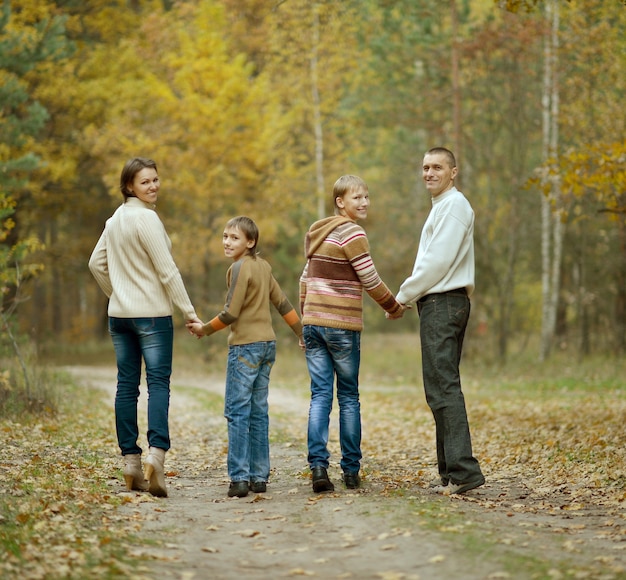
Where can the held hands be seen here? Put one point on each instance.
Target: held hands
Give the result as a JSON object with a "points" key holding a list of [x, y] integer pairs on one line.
{"points": [[195, 327], [399, 313]]}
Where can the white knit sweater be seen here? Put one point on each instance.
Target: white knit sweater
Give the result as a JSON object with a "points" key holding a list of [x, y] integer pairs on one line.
{"points": [[133, 264], [445, 257]]}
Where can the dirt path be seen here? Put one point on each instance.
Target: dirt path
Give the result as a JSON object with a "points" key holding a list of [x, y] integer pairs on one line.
{"points": [[197, 532]]}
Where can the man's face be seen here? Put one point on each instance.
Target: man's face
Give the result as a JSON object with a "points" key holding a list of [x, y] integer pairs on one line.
{"points": [[437, 173]]}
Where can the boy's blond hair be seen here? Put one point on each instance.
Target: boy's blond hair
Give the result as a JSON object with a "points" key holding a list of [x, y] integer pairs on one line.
{"points": [[346, 184]]}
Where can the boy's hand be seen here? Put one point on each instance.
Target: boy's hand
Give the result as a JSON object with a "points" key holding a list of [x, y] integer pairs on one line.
{"points": [[301, 343], [398, 314], [195, 328]]}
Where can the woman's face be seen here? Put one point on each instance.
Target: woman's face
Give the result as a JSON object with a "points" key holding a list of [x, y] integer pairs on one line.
{"points": [[146, 185]]}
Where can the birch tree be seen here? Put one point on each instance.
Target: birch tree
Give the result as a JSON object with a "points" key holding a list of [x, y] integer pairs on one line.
{"points": [[317, 116], [551, 205]]}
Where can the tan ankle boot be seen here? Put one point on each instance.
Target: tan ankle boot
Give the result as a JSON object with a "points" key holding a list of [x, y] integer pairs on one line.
{"points": [[132, 473], [154, 472]]}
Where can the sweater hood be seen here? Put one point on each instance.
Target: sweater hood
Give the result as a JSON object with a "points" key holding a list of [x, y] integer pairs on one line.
{"points": [[320, 230]]}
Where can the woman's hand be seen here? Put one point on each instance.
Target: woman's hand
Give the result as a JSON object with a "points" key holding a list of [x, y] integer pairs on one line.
{"points": [[195, 327]]}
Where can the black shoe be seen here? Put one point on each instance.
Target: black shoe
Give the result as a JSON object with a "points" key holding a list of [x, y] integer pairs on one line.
{"points": [[352, 480], [320, 479], [238, 489], [258, 487]]}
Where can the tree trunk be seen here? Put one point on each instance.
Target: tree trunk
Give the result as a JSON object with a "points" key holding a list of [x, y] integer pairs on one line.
{"points": [[551, 221], [620, 306], [456, 92], [317, 115], [58, 313]]}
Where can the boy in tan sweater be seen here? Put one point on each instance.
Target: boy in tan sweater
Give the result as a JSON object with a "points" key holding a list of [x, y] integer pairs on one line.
{"points": [[251, 354]]}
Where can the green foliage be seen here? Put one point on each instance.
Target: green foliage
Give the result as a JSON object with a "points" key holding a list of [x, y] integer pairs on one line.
{"points": [[23, 45]]}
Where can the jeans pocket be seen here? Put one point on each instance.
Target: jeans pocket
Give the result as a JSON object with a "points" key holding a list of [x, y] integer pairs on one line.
{"points": [[340, 342], [144, 325], [458, 312]]}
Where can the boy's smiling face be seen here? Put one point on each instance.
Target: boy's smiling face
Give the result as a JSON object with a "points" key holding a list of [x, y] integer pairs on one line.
{"points": [[354, 204], [235, 243]]}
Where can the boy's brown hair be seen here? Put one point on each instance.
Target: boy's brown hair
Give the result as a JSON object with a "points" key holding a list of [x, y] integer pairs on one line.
{"points": [[248, 228]]}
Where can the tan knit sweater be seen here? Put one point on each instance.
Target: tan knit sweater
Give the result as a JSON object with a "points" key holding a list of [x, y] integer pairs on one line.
{"points": [[133, 265], [251, 290]]}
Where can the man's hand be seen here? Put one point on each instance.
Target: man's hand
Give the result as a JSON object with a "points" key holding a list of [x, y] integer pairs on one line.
{"points": [[398, 314]]}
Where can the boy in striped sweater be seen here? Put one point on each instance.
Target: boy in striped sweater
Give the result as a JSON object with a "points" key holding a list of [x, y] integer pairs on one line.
{"points": [[338, 268]]}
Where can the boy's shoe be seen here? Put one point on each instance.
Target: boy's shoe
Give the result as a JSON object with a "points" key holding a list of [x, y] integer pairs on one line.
{"points": [[258, 486], [238, 489], [319, 475], [462, 487], [352, 480]]}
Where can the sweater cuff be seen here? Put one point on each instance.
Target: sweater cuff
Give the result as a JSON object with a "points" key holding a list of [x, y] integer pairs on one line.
{"points": [[213, 325]]}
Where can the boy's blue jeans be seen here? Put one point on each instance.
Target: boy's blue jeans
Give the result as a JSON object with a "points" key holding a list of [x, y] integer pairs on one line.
{"points": [[150, 339], [443, 320], [247, 411], [334, 352]]}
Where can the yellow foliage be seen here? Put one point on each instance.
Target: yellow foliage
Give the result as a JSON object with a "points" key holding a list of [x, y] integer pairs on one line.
{"points": [[598, 170]]}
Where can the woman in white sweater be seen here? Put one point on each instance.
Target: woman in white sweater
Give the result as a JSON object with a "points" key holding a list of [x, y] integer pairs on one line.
{"points": [[133, 265]]}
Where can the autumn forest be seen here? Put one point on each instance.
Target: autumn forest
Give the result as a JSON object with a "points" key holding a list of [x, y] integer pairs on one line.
{"points": [[256, 107]]}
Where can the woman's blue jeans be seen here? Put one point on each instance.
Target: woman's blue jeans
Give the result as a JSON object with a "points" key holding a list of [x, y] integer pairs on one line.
{"points": [[334, 352], [443, 320], [150, 339], [247, 411]]}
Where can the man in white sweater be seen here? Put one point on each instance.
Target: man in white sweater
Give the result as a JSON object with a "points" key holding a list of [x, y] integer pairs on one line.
{"points": [[441, 283]]}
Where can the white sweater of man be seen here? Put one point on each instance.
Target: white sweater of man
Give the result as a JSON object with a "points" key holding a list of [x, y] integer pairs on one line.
{"points": [[445, 257], [133, 265]]}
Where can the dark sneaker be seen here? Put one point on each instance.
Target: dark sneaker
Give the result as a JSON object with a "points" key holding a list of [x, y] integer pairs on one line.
{"points": [[352, 480], [258, 487], [238, 489], [463, 487], [319, 476]]}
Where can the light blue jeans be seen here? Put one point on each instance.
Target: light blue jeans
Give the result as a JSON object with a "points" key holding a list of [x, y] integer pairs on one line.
{"points": [[334, 352], [150, 339], [247, 411]]}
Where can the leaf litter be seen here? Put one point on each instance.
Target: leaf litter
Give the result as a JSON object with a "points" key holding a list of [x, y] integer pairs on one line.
{"points": [[554, 497]]}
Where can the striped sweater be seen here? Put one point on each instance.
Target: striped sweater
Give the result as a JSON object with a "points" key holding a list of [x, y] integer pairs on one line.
{"points": [[339, 267]]}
